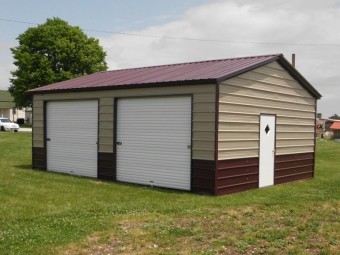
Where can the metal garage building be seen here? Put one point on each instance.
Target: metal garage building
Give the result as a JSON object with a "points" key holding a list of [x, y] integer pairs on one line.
{"points": [[214, 127]]}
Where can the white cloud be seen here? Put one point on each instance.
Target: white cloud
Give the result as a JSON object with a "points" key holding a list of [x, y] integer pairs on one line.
{"points": [[239, 21], [297, 22]]}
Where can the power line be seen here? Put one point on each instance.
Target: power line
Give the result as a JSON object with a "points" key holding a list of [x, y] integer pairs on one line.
{"points": [[19, 21], [189, 39]]}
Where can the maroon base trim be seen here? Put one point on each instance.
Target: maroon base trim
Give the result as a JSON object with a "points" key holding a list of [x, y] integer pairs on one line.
{"points": [[232, 176], [39, 158], [237, 175], [106, 166], [203, 176], [294, 167]]}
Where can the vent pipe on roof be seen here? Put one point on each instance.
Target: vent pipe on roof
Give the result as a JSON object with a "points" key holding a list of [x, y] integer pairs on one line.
{"points": [[293, 60]]}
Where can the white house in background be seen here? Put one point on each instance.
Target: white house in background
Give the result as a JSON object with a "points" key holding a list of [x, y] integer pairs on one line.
{"points": [[7, 107]]}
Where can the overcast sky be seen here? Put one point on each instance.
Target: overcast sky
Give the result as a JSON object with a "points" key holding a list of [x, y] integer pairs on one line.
{"points": [[223, 29]]}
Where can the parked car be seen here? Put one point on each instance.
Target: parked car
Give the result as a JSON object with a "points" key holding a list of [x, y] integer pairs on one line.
{"points": [[7, 125]]}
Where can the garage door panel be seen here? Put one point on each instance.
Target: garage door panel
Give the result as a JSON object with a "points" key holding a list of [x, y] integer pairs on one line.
{"points": [[155, 137], [72, 128]]}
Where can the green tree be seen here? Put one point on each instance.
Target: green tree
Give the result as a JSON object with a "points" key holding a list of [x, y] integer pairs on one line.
{"points": [[52, 52], [335, 117]]}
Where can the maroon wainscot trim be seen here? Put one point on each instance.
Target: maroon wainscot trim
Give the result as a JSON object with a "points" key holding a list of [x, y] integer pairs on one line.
{"points": [[294, 167], [39, 158], [106, 166], [237, 175], [203, 176]]}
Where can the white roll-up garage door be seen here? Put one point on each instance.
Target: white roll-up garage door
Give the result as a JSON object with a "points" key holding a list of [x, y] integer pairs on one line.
{"points": [[71, 132], [154, 141]]}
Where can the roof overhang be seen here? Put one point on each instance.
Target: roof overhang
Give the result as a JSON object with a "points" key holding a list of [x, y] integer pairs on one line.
{"points": [[216, 80], [116, 87]]}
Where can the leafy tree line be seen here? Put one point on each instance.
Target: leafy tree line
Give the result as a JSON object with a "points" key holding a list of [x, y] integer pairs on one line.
{"points": [[334, 116], [52, 52]]}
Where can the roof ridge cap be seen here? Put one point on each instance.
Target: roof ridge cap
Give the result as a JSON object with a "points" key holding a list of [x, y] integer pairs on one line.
{"points": [[193, 62]]}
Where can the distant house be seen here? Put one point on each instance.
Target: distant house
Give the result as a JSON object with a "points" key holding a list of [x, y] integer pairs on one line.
{"points": [[327, 126], [7, 107], [335, 127]]}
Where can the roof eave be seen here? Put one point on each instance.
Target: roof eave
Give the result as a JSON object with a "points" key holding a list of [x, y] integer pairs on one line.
{"points": [[115, 87]]}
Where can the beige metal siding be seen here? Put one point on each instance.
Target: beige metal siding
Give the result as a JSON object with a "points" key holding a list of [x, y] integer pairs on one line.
{"points": [[269, 89], [203, 114], [106, 117]]}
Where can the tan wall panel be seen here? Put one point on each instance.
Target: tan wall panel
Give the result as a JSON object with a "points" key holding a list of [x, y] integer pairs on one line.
{"points": [[255, 76], [204, 98], [223, 126], [38, 143], [106, 117], [106, 109], [38, 123], [38, 111], [38, 103], [203, 113], [204, 155], [38, 131], [239, 83], [282, 128], [106, 140], [203, 145], [275, 65], [204, 117], [296, 121], [305, 142], [293, 135], [203, 107], [106, 124], [227, 117], [268, 110], [268, 70], [294, 150], [106, 101], [106, 132], [289, 106], [235, 154], [203, 126], [105, 148], [39, 117], [237, 135], [292, 96], [267, 90], [238, 144], [203, 136]]}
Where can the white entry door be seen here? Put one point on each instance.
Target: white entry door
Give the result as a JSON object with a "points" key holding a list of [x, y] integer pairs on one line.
{"points": [[72, 135], [154, 141], [267, 150]]}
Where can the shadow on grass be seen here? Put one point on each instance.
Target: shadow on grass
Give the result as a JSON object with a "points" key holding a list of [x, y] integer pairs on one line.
{"points": [[163, 190], [24, 167]]}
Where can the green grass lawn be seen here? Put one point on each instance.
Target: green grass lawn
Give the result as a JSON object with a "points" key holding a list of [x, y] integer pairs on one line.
{"points": [[48, 213]]}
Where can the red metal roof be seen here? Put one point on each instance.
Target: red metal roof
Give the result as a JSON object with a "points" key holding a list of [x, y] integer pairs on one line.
{"points": [[335, 125], [176, 74], [194, 71]]}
